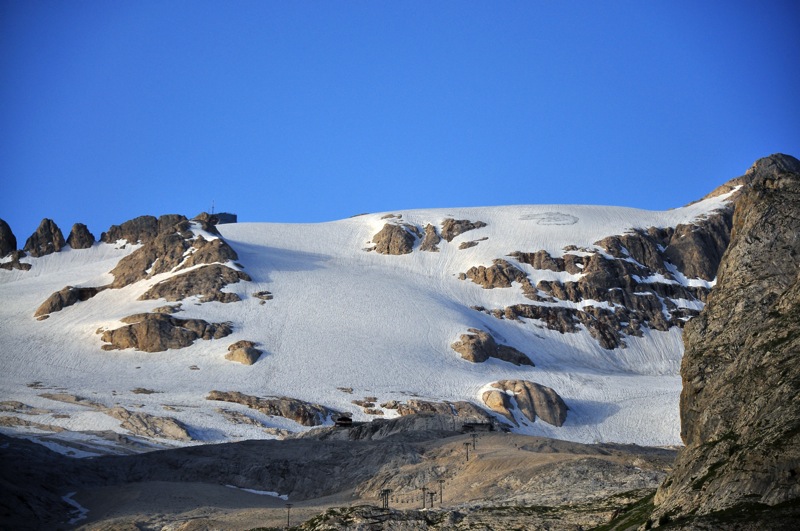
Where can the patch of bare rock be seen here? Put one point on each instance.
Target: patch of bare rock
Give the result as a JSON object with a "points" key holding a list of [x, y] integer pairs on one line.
{"points": [[244, 352], [478, 346], [156, 332], [65, 297], [168, 244], [8, 242], [395, 239], [80, 237], [454, 227], [532, 400], [629, 280], [46, 240], [304, 413], [138, 423]]}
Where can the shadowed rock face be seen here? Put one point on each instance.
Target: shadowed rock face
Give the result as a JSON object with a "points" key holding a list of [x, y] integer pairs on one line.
{"points": [[46, 240], [740, 418], [8, 242], [205, 282], [80, 237]]}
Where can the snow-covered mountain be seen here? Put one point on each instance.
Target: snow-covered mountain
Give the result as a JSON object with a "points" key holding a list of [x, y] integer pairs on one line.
{"points": [[175, 331]]}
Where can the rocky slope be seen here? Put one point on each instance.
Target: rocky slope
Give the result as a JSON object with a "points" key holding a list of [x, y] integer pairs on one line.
{"points": [[740, 414], [555, 320]]}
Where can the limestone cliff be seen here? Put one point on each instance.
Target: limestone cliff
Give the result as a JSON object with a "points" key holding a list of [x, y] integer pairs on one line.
{"points": [[740, 404]]}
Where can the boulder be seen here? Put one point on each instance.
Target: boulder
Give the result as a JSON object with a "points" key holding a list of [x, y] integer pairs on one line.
{"points": [[156, 332], [243, 352], [80, 237], [478, 346], [65, 297], [453, 227], [8, 242], [46, 240], [530, 399]]}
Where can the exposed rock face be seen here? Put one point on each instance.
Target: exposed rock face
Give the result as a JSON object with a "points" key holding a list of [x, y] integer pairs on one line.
{"points": [[431, 240], [46, 240], [395, 239], [499, 275], [156, 332], [478, 346], [15, 263], [141, 229], [243, 352], [66, 297], [80, 237], [532, 400], [740, 418], [625, 283], [464, 411], [453, 227], [301, 412], [8, 242], [146, 425], [205, 282]]}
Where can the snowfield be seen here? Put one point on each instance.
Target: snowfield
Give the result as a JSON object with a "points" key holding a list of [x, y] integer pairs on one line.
{"points": [[342, 317]]}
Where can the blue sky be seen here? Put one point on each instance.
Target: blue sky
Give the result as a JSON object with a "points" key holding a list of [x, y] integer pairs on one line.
{"points": [[315, 111]]}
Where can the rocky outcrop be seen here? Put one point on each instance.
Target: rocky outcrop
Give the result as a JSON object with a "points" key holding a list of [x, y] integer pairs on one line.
{"points": [[65, 297], [530, 399], [304, 413], [453, 227], [243, 352], [14, 263], [430, 242], [395, 239], [478, 346], [156, 332], [141, 229], [8, 242], [146, 425], [624, 284], [462, 411], [205, 282], [46, 240], [499, 275], [740, 419], [80, 237]]}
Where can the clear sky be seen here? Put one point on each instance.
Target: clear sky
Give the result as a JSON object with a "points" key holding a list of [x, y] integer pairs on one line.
{"points": [[309, 111]]}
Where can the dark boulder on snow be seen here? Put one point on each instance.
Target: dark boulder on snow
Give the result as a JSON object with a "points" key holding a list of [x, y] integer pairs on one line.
{"points": [[46, 240], [80, 237]]}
